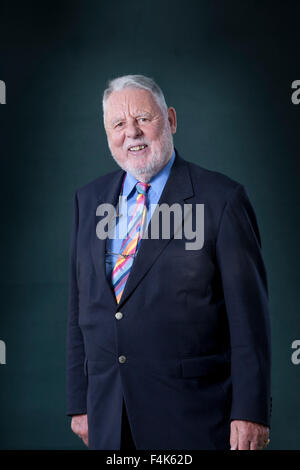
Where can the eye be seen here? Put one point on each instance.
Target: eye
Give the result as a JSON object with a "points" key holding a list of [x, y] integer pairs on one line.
{"points": [[143, 119], [120, 124]]}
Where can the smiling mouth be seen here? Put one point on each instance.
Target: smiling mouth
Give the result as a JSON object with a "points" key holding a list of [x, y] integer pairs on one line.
{"points": [[137, 148]]}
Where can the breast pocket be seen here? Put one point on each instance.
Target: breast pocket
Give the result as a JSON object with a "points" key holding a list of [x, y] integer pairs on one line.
{"points": [[189, 270]]}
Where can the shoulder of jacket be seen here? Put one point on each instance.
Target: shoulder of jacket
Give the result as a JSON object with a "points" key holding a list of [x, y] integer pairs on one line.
{"points": [[213, 181], [97, 184]]}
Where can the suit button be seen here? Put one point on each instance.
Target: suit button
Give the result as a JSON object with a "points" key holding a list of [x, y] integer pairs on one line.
{"points": [[119, 315], [122, 359]]}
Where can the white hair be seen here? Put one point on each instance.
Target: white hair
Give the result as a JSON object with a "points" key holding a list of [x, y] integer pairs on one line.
{"points": [[136, 81]]}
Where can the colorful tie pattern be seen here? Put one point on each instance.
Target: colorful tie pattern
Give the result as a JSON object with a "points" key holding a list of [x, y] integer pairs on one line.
{"points": [[131, 242]]}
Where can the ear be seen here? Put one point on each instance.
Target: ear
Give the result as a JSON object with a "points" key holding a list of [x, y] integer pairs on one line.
{"points": [[172, 119]]}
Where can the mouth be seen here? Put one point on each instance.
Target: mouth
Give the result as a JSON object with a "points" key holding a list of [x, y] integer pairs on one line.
{"points": [[137, 149]]}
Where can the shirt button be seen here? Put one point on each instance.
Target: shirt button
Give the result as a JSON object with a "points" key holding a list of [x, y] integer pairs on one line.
{"points": [[119, 315], [122, 359]]}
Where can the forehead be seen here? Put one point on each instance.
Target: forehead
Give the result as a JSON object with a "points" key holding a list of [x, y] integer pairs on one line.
{"points": [[130, 100]]}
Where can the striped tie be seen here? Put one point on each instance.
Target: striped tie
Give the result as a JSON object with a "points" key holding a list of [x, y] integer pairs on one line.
{"points": [[131, 243]]}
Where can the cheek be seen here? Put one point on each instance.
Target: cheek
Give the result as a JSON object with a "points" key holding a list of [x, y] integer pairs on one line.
{"points": [[117, 140], [155, 134]]}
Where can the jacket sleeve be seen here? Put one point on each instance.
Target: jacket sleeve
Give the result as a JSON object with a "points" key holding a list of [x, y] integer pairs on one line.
{"points": [[244, 280], [76, 380]]}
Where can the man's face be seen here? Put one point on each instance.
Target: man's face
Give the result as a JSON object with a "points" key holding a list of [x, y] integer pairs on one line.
{"points": [[139, 135]]}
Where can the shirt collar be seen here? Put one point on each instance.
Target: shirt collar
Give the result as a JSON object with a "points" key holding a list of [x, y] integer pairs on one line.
{"points": [[157, 181]]}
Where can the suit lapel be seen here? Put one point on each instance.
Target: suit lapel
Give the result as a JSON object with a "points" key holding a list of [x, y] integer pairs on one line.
{"points": [[111, 196], [177, 189]]}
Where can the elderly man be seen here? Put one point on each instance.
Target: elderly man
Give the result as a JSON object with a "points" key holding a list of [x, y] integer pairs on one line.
{"points": [[168, 344]]}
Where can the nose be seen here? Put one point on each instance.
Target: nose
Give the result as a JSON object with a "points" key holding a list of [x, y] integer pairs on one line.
{"points": [[133, 130]]}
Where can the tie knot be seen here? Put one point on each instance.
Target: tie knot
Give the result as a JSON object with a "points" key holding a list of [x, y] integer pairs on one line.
{"points": [[142, 188]]}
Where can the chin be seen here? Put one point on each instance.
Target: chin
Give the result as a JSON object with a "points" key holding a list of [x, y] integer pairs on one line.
{"points": [[139, 164], [137, 171], [147, 165]]}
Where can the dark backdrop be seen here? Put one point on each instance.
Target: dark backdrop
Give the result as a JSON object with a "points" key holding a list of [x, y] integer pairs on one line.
{"points": [[227, 67]]}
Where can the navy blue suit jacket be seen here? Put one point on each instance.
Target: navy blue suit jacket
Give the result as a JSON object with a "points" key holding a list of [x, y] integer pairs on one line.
{"points": [[195, 329]]}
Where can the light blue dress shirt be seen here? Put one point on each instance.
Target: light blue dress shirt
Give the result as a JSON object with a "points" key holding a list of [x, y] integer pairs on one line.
{"points": [[157, 182]]}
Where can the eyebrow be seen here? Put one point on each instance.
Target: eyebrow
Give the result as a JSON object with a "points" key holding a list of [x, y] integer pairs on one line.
{"points": [[139, 114], [116, 120]]}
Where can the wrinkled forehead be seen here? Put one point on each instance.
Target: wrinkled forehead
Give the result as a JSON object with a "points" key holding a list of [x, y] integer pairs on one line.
{"points": [[131, 101]]}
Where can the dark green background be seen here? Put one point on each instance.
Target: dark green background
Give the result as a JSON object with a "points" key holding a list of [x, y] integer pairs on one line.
{"points": [[227, 68]]}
